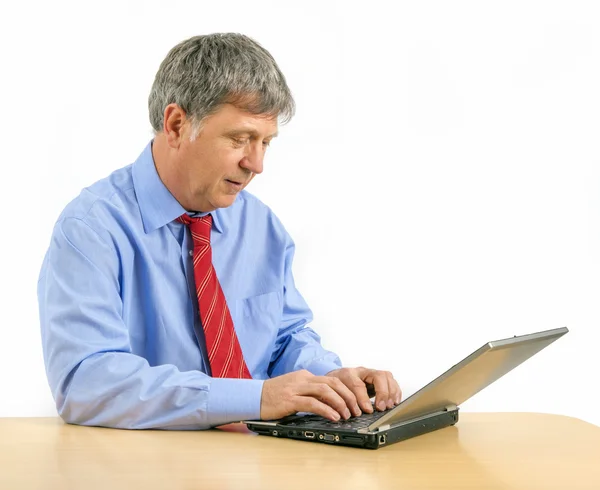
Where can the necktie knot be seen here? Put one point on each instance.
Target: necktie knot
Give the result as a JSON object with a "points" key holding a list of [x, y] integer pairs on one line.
{"points": [[200, 227]]}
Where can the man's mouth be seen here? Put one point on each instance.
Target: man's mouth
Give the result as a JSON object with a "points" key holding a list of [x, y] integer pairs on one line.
{"points": [[234, 182]]}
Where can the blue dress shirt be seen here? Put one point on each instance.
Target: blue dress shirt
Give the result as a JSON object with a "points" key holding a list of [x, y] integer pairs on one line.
{"points": [[122, 340]]}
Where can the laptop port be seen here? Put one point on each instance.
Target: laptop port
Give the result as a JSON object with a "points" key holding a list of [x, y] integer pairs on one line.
{"points": [[309, 435], [382, 439], [329, 437]]}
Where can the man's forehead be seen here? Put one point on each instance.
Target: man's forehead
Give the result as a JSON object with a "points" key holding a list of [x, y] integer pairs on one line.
{"points": [[231, 119]]}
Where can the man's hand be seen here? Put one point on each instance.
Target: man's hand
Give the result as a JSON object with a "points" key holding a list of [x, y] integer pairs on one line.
{"points": [[302, 391], [387, 391], [339, 394]]}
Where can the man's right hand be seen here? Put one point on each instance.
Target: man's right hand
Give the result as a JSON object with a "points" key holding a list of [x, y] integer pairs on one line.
{"points": [[302, 391]]}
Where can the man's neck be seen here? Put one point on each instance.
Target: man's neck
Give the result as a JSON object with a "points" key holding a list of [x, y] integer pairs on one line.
{"points": [[166, 168]]}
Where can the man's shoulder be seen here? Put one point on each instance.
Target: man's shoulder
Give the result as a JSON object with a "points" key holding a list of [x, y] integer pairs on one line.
{"points": [[257, 215], [104, 199], [250, 204]]}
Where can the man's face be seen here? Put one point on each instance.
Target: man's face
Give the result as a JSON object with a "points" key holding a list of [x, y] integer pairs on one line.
{"points": [[225, 157]]}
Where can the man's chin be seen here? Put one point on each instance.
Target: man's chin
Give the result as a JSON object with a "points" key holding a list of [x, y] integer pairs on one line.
{"points": [[225, 200]]}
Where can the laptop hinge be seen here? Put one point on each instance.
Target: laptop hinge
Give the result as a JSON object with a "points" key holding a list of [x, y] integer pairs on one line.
{"points": [[371, 429]]}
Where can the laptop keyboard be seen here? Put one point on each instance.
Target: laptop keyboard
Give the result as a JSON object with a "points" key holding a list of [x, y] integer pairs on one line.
{"points": [[316, 421]]}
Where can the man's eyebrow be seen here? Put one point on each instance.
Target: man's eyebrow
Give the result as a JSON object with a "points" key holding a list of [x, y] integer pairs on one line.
{"points": [[250, 132]]}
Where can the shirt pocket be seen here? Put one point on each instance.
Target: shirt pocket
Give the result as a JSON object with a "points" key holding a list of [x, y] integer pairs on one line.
{"points": [[257, 320]]}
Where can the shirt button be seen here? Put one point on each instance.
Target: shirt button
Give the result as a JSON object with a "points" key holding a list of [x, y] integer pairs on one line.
{"points": [[191, 253]]}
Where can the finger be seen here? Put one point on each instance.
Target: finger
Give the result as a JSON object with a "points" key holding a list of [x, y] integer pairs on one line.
{"points": [[395, 391], [344, 388], [324, 393], [391, 401], [312, 405], [359, 390], [382, 395]]}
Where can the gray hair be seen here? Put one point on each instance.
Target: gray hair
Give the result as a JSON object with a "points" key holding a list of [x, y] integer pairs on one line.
{"points": [[202, 73]]}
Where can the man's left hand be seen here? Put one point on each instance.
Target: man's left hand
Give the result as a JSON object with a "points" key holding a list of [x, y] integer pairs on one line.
{"points": [[387, 390]]}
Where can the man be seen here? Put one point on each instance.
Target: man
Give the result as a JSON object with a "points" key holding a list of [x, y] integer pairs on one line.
{"points": [[166, 295]]}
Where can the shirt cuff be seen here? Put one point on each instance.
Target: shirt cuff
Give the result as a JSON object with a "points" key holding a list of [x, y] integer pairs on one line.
{"points": [[233, 400], [322, 367]]}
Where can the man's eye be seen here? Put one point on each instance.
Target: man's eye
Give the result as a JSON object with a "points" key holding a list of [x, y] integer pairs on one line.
{"points": [[239, 142], [266, 143]]}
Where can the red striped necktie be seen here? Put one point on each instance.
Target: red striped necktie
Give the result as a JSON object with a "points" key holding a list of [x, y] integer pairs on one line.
{"points": [[224, 351]]}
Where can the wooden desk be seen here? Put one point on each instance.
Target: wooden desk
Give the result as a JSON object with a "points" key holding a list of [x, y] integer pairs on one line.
{"points": [[483, 451]]}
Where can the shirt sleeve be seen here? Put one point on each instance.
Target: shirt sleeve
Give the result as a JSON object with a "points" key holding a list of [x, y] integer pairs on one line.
{"points": [[94, 376], [298, 346]]}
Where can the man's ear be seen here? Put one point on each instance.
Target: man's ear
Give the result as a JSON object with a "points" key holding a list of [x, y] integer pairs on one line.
{"points": [[174, 125]]}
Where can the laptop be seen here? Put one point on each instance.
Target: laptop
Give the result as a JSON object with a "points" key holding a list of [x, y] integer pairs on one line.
{"points": [[433, 407]]}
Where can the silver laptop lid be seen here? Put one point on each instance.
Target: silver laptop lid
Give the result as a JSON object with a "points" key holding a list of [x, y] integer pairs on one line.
{"points": [[470, 376]]}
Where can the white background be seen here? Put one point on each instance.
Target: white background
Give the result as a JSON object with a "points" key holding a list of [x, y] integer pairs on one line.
{"points": [[440, 178]]}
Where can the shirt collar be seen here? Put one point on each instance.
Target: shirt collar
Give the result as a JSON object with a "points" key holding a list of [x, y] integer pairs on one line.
{"points": [[157, 205]]}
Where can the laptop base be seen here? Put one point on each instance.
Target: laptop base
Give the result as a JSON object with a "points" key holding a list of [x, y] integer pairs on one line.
{"points": [[354, 438]]}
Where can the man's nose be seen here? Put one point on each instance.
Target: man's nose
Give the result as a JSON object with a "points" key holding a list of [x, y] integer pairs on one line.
{"points": [[253, 160]]}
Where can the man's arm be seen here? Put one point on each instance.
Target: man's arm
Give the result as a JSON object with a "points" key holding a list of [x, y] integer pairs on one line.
{"points": [[94, 377], [298, 346]]}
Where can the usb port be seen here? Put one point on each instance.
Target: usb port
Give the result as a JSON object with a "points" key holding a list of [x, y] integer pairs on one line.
{"points": [[309, 435]]}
